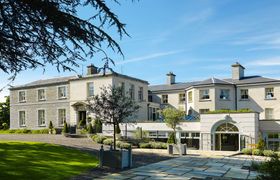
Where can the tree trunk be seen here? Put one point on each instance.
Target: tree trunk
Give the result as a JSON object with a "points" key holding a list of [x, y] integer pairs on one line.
{"points": [[114, 136]]}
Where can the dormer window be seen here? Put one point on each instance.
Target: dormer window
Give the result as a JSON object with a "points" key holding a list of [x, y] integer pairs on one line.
{"points": [[269, 93], [21, 96]]}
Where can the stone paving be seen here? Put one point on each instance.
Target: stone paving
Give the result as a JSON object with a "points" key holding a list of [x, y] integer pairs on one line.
{"points": [[193, 167]]}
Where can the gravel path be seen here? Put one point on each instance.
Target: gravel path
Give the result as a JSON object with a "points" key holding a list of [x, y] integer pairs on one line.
{"points": [[86, 144]]}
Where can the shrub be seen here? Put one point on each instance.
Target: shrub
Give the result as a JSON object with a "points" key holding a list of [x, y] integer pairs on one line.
{"points": [[145, 145], [268, 153], [65, 127], [40, 131], [277, 153], [11, 131], [90, 129], [108, 141], [98, 126], [270, 169], [261, 144], [247, 151], [257, 152], [99, 139], [171, 138], [51, 125], [158, 145], [5, 126], [123, 145]]}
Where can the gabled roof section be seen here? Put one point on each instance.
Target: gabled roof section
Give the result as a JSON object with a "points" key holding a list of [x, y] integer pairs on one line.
{"points": [[252, 80], [212, 81]]}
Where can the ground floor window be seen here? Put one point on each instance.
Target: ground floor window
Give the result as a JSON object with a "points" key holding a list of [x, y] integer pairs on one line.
{"points": [[274, 145], [41, 118], [21, 118], [61, 116]]}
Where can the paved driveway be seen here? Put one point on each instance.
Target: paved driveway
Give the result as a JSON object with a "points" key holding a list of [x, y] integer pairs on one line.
{"points": [[193, 167]]}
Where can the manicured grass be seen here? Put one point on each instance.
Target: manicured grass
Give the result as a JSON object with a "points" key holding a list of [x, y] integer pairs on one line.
{"points": [[32, 160]]}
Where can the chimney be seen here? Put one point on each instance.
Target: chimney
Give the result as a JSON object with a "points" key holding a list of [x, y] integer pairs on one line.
{"points": [[91, 69], [170, 78], [237, 71]]}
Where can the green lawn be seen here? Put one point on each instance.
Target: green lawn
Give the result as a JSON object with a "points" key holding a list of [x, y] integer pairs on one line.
{"points": [[31, 160]]}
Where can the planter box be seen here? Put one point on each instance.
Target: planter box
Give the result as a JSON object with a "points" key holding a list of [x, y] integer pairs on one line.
{"points": [[180, 149], [118, 159]]}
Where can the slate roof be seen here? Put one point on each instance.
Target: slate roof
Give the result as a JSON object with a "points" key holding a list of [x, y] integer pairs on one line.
{"points": [[181, 86], [61, 80]]}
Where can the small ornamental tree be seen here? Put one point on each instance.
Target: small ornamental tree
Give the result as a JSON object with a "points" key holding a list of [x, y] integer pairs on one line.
{"points": [[51, 127], [98, 126], [111, 106], [172, 118]]}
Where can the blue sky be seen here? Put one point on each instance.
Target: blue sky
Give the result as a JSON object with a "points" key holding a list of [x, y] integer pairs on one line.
{"points": [[196, 39]]}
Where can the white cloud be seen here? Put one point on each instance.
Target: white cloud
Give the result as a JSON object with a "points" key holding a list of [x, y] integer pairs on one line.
{"points": [[150, 56], [200, 16], [273, 61]]}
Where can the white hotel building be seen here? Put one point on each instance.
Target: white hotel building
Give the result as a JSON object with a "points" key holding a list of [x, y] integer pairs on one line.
{"points": [[34, 104]]}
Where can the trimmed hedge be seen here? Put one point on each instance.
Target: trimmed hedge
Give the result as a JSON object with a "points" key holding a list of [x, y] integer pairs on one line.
{"points": [[247, 151], [268, 153], [108, 141], [25, 131], [153, 145], [257, 152], [98, 139]]}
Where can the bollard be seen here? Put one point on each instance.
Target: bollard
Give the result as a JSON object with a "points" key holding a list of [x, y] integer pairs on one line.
{"points": [[101, 153]]}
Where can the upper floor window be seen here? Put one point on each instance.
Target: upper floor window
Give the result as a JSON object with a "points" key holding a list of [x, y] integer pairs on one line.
{"points": [[61, 116], [122, 86], [204, 94], [22, 118], [150, 98], [244, 94], [140, 94], [41, 95], [268, 113], [182, 98], [269, 93], [164, 99], [21, 96], [224, 94], [131, 91], [41, 118], [90, 89], [190, 96], [62, 93]]}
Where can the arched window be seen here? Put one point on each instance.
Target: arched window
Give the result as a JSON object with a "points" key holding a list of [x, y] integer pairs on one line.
{"points": [[227, 127]]}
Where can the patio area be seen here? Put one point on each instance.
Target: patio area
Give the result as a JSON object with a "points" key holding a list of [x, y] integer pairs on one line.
{"points": [[194, 167]]}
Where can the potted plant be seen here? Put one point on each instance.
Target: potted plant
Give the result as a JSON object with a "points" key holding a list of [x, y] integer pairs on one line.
{"points": [[51, 128]]}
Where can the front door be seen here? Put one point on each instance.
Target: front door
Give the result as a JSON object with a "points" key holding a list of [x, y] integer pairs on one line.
{"points": [[227, 141], [82, 119]]}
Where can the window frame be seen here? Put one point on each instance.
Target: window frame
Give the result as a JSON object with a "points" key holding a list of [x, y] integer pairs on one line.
{"points": [[131, 91], [45, 117], [164, 100], [66, 92], [180, 98], [19, 118], [190, 96], [58, 118], [141, 93], [25, 94], [89, 90], [202, 94], [223, 92], [267, 94], [242, 95], [269, 115], [38, 96]]}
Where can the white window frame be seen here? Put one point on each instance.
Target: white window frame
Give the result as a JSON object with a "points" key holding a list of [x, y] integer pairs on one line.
{"points": [[269, 94], [66, 92], [183, 100], [45, 117], [164, 99], [38, 97], [19, 118], [132, 91], [269, 115], [89, 90], [203, 94], [58, 118], [225, 94], [25, 94], [242, 95], [190, 96]]}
